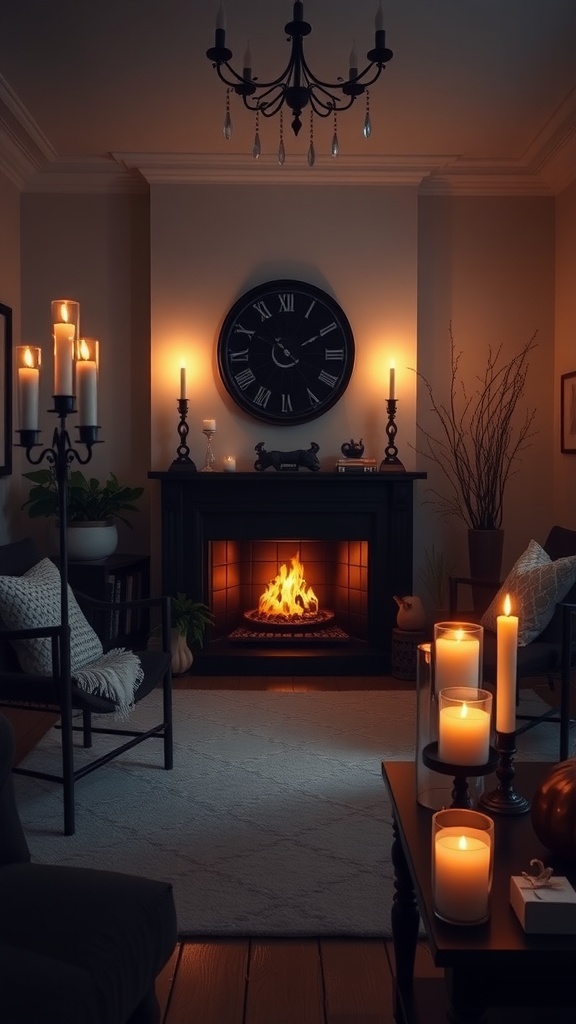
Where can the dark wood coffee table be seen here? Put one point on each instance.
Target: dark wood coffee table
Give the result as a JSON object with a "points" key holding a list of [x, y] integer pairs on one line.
{"points": [[490, 965]]}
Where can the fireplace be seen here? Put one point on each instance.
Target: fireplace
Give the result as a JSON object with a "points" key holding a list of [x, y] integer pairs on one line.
{"points": [[225, 536]]}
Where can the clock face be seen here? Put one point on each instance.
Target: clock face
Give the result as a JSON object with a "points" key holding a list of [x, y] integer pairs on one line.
{"points": [[286, 352]]}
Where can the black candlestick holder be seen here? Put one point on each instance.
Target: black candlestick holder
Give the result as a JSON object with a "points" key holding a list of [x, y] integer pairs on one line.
{"points": [[504, 799], [460, 772], [183, 460], [391, 460], [60, 455]]}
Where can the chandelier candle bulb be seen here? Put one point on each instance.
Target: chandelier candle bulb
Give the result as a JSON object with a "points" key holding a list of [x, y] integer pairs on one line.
{"points": [[86, 382], [247, 71], [379, 19], [506, 658], [353, 62], [28, 362], [208, 424]]}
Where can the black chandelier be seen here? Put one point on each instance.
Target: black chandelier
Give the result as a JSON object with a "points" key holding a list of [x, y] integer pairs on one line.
{"points": [[297, 86]]}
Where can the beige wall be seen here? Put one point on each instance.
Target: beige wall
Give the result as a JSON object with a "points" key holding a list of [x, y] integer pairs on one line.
{"points": [[156, 275], [565, 352], [211, 244], [486, 266]]}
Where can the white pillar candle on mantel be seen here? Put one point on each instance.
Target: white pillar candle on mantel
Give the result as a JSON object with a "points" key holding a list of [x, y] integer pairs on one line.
{"points": [[208, 424], [463, 734], [506, 660], [86, 382], [461, 874], [457, 660], [229, 464], [28, 364], [65, 328]]}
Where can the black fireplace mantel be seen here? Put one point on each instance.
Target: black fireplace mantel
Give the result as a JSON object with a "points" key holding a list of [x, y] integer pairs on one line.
{"points": [[198, 508]]}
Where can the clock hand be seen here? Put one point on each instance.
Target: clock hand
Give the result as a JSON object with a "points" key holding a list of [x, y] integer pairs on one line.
{"points": [[309, 341]]}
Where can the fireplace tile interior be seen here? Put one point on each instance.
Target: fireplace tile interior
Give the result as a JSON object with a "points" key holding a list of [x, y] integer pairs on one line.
{"points": [[337, 571]]}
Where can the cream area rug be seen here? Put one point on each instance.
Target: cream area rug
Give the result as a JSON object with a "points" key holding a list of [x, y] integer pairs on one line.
{"points": [[274, 820]]}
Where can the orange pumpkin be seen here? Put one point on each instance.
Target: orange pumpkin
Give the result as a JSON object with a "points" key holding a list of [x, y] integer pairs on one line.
{"points": [[553, 810]]}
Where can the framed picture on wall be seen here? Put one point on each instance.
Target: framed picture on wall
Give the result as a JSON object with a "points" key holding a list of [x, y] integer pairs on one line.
{"points": [[568, 413], [6, 390]]}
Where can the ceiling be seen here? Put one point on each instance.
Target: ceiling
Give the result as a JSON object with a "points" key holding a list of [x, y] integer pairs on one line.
{"points": [[480, 94]]}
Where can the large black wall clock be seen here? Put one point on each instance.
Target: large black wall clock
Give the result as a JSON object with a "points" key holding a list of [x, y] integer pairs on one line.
{"points": [[286, 352]]}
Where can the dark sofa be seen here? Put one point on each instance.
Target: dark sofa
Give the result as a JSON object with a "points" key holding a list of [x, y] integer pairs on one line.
{"points": [[77, 945]]}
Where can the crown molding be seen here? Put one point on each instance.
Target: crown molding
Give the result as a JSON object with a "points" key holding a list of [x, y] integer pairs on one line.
{"points": [[207, 169], [29, 161]]}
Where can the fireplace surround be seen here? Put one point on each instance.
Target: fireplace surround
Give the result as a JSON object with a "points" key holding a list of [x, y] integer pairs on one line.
{"points": [[224, 535]]}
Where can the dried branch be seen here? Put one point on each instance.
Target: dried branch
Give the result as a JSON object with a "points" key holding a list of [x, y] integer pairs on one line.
{"points": [[478, 438]]}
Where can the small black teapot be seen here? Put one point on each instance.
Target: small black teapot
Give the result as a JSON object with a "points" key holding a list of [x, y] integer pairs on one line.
{"points": [[352, 449]]}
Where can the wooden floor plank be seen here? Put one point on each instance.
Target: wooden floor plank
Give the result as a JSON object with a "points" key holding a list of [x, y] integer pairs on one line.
{"points": [[285, 983], [210, 984], [357, 982]]}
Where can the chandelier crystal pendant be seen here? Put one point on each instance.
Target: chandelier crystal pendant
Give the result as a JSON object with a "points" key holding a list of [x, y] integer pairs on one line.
{"points": [[297, 87]]}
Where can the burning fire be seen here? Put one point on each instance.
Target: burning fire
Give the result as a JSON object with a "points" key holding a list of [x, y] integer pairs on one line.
{"points": [[288, 596]]}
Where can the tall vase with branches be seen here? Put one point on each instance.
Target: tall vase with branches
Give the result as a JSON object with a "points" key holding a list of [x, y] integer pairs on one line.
{"points": [[478, 439]]}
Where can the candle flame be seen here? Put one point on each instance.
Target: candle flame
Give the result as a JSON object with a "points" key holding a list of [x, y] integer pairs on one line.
{"points": [[462, 843], [64, 313], [464, 710], [84, 351], [459, 634], [28, 360], [507, 605]]}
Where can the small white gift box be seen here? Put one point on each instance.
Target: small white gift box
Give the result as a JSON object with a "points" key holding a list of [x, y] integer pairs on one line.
{"points": [[547, 909]]}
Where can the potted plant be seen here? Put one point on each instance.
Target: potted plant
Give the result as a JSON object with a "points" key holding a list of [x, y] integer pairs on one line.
{"points": [[189, 620], [476, 445], [92, 506]]}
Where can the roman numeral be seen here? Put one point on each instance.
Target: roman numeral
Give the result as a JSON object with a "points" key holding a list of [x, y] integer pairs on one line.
{"points": [[312, 397], [326, 330], [286, 403], [244, 378], [262, 308], [327, 378], [238, 329], [310, 308], [286, 303], [334, 353], [261, 397], [241, 356]]}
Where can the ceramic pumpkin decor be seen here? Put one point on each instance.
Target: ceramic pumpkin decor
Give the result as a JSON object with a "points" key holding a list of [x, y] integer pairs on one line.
{"points": [[411, 615], [553, 810]]}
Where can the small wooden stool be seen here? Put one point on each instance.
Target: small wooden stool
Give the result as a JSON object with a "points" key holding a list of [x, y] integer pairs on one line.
{"points": [[404, 646]]}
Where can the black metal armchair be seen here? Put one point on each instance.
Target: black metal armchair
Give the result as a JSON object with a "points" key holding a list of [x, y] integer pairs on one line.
{"points": [[62, 695], [552, 654]]}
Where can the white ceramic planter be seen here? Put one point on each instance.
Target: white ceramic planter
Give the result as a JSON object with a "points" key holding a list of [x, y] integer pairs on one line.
{"points": [[90, 542]]}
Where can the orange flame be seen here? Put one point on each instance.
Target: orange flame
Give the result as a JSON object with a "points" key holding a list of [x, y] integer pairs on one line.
{"points": [[289, 595]]}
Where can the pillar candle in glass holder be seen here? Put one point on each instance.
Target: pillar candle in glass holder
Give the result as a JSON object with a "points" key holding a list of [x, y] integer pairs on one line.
{"points": [[457, 654], [506, 659], [65, 328], [28, 366], [464, 725], [462, 865], [87, 381]]}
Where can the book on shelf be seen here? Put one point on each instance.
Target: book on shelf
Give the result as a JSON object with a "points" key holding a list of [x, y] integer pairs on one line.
{"points": [[356, 466]]}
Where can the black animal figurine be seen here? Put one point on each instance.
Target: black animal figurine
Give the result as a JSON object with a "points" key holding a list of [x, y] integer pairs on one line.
{"points": [[287, 460]]}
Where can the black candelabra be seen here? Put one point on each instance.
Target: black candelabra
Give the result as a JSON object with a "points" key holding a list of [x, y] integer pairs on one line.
{"points": [[504, 799], [183, 460], [391, 460]]}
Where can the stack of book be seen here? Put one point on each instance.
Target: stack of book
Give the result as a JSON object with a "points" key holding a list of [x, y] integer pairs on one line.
{"points": [[356, 466]]}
